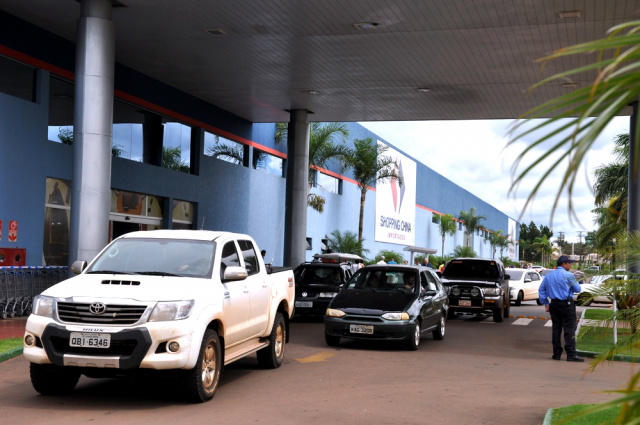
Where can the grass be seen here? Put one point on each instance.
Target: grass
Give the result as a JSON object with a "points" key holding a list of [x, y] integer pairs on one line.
{"points": [[598, 340], [607, 416], [598, 314], [9, 343]]}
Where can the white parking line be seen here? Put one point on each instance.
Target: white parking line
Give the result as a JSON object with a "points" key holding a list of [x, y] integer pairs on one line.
{"points": [[548, 323], [522, 322]]}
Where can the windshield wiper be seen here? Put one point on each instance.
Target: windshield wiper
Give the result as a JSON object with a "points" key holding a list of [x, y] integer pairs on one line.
{"points": [[154, 273], [108, 272]]}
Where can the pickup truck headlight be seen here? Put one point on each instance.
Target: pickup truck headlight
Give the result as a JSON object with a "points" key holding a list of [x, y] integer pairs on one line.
{"points": [[43, 306], [492, 291], [174, 310], [396, 316]]}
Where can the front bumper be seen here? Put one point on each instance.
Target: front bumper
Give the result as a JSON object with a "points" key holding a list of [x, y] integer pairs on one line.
{"points": [[478, 304], [131, 347], [311, 305], [383, 330]]}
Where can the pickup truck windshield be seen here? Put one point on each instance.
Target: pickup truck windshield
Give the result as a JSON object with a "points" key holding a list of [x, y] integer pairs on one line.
{"points": [[159, 257], [472, 268]]}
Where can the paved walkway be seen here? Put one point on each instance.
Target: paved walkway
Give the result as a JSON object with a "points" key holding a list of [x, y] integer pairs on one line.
{"points": [[12, 328]]}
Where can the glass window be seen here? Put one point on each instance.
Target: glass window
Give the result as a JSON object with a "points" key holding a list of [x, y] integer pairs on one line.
{"points": [[57, 211], [182, 215], [128, 123], [435, 218], [229, 257], [224, 149], [176, 146], [250, 257], [328, 183], [309, 244], [268, 163], [61, 106], [17, 79]]}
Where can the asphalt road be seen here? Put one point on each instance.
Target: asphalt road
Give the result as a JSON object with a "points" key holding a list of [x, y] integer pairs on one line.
{"points": [[482, 373]]}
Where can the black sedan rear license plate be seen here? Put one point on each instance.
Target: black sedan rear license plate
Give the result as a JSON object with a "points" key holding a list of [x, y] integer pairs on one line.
{"points": [[361, 329]]}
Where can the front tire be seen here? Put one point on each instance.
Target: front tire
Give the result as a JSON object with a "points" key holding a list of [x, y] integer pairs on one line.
{"points": [[331, 340], [518, 301], [439, 332], [50, 379], [507, 306], [414, 338], [498, 315], [271, 357], [200, 383]]}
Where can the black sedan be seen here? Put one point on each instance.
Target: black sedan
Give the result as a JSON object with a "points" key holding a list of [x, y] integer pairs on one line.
{"points": [[390, 303]]}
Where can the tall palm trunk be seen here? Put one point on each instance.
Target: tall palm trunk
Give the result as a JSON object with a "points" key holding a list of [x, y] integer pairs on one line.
{"points": [[442, 252], [363, 195]]}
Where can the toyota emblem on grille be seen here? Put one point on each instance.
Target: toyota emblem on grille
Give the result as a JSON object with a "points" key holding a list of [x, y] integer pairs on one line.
{"points": [[304, 294], [97, 308]]}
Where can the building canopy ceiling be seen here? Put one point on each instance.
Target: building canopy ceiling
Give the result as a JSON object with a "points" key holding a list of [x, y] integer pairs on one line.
{"points": [[349, 60]]}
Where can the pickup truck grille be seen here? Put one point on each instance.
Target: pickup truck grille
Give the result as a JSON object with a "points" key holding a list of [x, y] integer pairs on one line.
{"points": [[114, 314]]}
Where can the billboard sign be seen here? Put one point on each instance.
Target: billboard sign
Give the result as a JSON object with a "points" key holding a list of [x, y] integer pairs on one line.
{"points": [[396, 204]]}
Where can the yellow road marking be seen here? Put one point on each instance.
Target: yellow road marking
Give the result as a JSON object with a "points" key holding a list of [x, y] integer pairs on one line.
{"points": [[320, 357]]}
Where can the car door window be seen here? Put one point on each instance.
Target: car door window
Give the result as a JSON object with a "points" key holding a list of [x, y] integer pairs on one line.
{"points": [[230, 257], [250, 257], [431, 282]]}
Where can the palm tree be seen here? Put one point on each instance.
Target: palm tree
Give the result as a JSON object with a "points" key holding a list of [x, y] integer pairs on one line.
{"points": [[447, 226], [370, 167], [495, 239], [346, 242], [464, 252], [503, 242], [543, 246], [322, 151], [230, 153], [471, 222], [588, 110]]}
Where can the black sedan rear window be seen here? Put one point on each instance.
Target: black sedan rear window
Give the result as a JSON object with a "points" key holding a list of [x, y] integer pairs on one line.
{"points": [[381, 280]]}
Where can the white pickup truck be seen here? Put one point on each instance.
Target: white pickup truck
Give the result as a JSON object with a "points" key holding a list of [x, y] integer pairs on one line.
{"points": [[182, 301]]}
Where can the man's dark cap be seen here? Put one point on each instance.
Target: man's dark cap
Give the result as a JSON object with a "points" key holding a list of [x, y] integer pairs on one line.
{"points": [[564, 259]]}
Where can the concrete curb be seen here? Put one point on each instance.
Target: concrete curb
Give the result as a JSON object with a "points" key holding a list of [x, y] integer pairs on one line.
{"points": [[15, 352], [547, 417]]}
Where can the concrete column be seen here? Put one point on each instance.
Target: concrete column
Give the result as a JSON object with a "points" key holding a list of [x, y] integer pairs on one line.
{"points": [[92, 132], [295, 224], [633, 202]]}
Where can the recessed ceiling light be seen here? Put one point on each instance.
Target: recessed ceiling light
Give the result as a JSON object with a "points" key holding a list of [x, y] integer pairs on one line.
{"points": [[423, 89], [570, 14], [366, 25], [215, 31]]}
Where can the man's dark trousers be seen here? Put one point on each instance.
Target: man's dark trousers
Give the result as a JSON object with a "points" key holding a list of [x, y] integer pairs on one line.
{"points": [[563, 318]]}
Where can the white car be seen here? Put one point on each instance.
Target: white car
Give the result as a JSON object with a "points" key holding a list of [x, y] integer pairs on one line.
{"points": [[537, 268], [594, 285], [523, 285]]}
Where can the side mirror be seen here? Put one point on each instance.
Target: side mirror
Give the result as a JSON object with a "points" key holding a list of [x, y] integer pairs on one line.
{"points": [[235, 273], [507, 276], [527, 280], [429, 293], [78, 266]]}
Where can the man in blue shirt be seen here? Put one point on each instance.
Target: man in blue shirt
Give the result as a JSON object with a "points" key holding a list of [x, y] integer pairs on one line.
{"points": [[559, 286]]}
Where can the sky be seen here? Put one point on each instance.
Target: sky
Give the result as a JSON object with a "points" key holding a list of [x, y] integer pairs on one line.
{"points": [[474, 155]]}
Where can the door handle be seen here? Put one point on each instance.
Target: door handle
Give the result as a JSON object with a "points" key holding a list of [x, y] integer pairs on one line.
{"points": [[245, 289]]}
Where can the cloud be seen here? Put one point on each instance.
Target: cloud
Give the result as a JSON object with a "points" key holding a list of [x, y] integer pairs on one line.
{"points": [[475, 156]]}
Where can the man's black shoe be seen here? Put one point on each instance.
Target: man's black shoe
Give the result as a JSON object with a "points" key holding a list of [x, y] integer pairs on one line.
{"points": [[575, 359], [556, 357]]}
